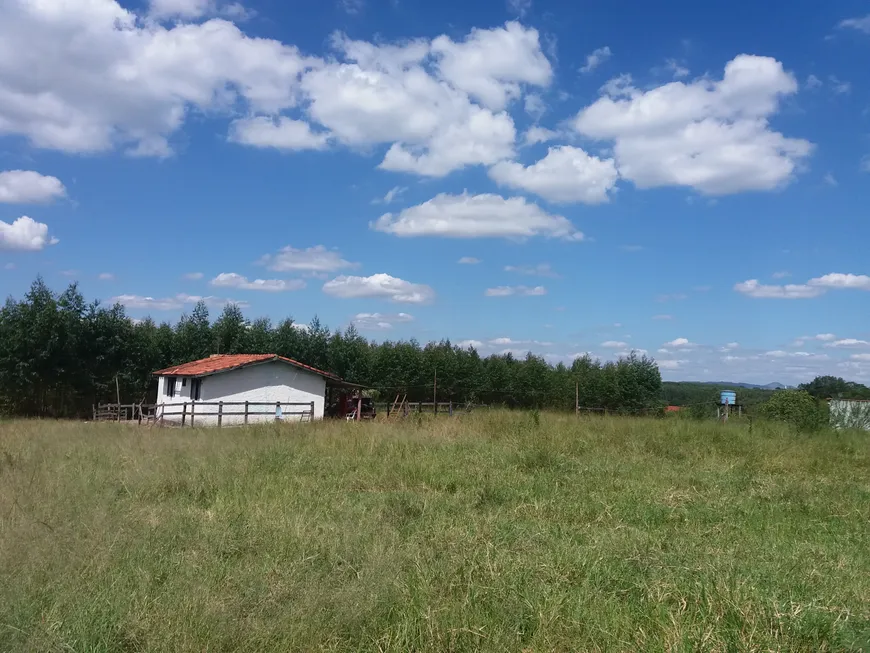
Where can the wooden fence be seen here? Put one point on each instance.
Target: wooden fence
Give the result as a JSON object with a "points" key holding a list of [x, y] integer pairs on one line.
{"points": [[124, 412], [205, 413], [225, 413], [436, 407]]}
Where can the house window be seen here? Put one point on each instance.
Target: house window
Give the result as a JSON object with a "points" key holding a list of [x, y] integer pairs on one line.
{"points": [[195, 388], [169, 387], [183, 383]]}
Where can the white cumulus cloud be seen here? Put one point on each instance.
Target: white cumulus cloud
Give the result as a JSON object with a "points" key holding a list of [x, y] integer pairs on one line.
{"points": [[477, 216], [862, 24], [595, 59], [439, 104], [281, 133], [310, 259], [520, 291], [174, 303], [380, 321], [25, 234], [536, 134], [709, 135], [754, 288], [468, 260], [539, 270], [838, 280], [676, 69], [193, 9], [813, 288], [491, 64], [27, 186], [381, 286], [534, 105], [819, 337], [566, 174], [233, 280], [100, 77], [848, 343]]}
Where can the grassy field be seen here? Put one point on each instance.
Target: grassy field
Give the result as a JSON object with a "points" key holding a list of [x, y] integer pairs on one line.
{"points": [[499, 532]]}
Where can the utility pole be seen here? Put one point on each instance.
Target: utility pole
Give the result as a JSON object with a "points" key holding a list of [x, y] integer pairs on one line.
{"points": [[576, 398], [435, 392], [118, 396]]}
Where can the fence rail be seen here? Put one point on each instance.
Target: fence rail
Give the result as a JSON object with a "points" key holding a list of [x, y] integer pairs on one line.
{"points": [[211, 413], [448, 408], [124, 412]]}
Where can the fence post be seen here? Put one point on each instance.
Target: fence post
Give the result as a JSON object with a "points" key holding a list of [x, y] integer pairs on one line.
{"points": [[450, 408], [246, 413], [140, 415], [311, 416], [359, 409], [192, 406], [184, 414], [420, 407], [220, 413]]}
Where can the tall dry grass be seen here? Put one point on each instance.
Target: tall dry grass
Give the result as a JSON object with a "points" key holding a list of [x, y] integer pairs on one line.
{"points": [[498, 532]]}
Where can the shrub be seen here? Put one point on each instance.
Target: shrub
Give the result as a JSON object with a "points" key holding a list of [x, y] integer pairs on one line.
{"points": [[795, 407]]}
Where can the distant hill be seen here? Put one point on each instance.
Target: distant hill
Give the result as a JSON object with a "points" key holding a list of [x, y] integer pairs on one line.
{"points": [[753, 386], [687, 393]]}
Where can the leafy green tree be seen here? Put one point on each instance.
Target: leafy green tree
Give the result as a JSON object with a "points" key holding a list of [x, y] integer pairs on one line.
{"points": [[797, 408], [230, 331], [260, 338], [833, 387], [288, 340], [194, 338]]}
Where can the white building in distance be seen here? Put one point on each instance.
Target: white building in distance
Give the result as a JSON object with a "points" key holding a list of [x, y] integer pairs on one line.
{"points": [[226, 389]]}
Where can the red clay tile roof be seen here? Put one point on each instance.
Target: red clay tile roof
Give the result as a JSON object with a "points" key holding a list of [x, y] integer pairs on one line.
{"points": [[226, 362]]}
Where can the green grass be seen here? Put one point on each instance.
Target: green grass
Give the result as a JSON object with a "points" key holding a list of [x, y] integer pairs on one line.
{"points": [[481, 533]]}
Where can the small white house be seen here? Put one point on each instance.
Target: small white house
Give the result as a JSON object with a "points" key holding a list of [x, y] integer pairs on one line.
{"points": [[230, 389]]}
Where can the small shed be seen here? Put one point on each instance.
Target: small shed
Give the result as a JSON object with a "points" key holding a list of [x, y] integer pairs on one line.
{"points": [[226, 389]]}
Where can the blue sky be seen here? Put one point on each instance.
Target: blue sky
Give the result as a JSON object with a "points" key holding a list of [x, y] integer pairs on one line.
{"points": [[690, 183]]}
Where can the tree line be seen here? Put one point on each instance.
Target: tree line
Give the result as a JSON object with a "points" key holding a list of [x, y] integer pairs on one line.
{"points": [[834, 387], [60, 354]]}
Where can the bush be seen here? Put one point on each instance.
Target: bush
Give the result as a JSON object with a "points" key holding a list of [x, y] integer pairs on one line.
{"points": [[795, 407]]}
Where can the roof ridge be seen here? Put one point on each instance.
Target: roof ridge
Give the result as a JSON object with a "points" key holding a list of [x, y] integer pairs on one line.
{"points": [[217, 363]]}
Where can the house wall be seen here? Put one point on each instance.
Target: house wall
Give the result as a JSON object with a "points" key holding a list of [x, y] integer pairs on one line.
{"points": [[267, 382], [182, 390]]}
